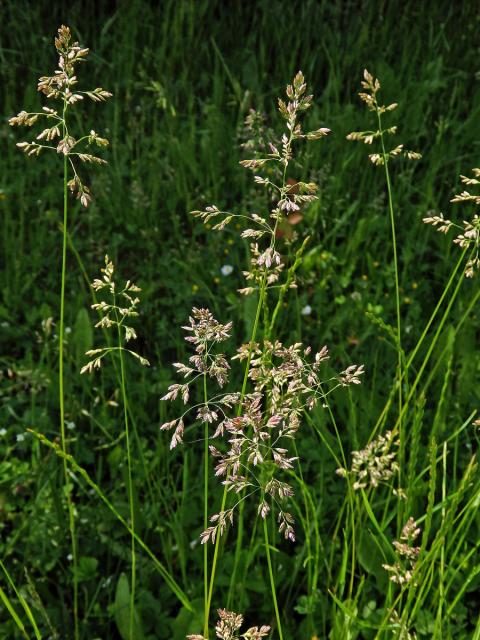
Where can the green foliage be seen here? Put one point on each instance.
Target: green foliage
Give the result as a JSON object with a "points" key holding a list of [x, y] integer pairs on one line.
{"points": [[121, 612]]}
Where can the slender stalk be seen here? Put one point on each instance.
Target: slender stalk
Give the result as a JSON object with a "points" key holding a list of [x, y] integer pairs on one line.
{"points": [[441, 590], [350, 496], [61, 391], [224, 497], [288, 282], [261, 300], [397, 297], [272, 579], [9, 607], [269, 327], [130, 482], [205, 515], [311, 580], [58, 87], [24, 604], [432, 346], [214, 568], [260, 306], [412, 356]]}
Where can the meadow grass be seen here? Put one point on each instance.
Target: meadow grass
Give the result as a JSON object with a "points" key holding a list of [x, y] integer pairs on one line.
{"points": [[175, 125]]}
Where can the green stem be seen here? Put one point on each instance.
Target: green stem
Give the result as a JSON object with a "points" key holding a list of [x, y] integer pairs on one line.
{"points": [[24, 604], [431, 347], [397, 302], [272, 580], [61, 393], [130, 484], [351, 500], [311, 580], [412, 356], [239, 408], [268, 329], [9, 607], [261, 302], [205, 516], [286, 286]]}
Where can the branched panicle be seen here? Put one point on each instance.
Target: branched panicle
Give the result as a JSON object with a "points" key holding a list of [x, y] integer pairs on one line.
{"points": [[469, 235], [407, 553], [285, 383], [254, 429], [371, 87], [375, 464], [204, 332], [205, 329], [271, 160], [122, 305], [229, 625], [61, 86]]}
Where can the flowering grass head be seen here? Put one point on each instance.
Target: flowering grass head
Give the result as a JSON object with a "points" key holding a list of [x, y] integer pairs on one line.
{"points": [[62, 88], [269, 165], [407, 553], [253, 431], [121, 306], [229, 625], [254, 428], [369, 95], [375, 464]]}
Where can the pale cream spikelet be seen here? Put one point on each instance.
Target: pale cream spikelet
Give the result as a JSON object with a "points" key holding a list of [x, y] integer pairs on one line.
{"points": [[375, 464]]}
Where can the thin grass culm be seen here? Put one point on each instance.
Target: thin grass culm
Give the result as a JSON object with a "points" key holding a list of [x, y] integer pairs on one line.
{"points": [[369, 95], [255, 426], [57, 137], [121, 306]]}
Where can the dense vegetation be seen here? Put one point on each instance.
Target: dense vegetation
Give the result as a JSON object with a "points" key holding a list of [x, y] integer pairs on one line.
{"points": [[184, 78]]}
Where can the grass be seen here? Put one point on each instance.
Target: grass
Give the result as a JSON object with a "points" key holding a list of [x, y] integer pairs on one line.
{"points": [[174, 126]]}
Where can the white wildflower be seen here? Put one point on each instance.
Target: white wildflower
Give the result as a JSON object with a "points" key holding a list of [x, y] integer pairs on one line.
{"points": [[226, 270]]}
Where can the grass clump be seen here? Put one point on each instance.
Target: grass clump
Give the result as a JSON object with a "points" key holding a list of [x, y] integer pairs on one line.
{"points": [[261, 476]]}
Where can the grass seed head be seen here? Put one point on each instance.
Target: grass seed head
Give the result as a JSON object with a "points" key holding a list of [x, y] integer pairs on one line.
{"points": [[122, 305], [61, 87]]}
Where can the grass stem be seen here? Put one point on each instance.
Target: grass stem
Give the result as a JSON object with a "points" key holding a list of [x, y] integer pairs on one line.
{"points": [[130, 485], [272, 579], [61, 391]]}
